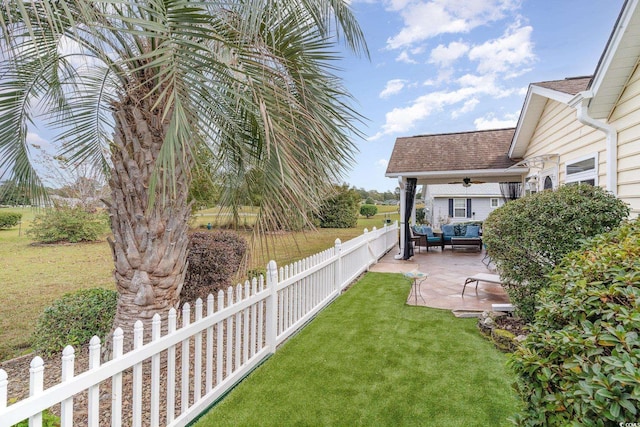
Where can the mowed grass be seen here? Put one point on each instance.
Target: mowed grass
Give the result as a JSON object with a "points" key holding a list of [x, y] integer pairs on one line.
{"points": [[33, 276], [371, 360]]}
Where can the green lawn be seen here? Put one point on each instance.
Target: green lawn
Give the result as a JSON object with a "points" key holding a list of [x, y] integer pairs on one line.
{"points": [[33, 276], [369, 359]]}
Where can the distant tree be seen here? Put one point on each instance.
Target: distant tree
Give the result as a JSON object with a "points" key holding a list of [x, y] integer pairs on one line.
{"points": [[340, 210], [13, 195], [370, 201]]}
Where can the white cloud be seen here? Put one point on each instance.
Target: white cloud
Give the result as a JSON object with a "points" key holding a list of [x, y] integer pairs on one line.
{"points": [[393, 87], [444, 56], [506, 54], [471, 89], [36, 140], [382, 163], [426, 19], [468, 106], [404, 57], [490, 121]]}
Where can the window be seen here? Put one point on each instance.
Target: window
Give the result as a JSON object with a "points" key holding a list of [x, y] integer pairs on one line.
{"points": [[459, 208], [494, 202], [548, 183], [583, 170]]}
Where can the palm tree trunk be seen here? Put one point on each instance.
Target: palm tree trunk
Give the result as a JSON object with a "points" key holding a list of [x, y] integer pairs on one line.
{"points": [[150, 241]]}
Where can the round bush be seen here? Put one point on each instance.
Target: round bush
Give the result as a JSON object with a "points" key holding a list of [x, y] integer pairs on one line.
{"points": [[74, 319], [580, 364], [528, 237], [368, 210], [213, 259], [9, 219]]}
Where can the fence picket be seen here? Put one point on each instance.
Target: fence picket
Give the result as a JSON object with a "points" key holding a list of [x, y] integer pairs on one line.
{"points": [[197, 368], [4, 384], [154, 415], [66, 406], [36, 385], [93, 401], [184, 384], [116, 380], [136, 398], [209, 349], [171, 368], [219, 340]]}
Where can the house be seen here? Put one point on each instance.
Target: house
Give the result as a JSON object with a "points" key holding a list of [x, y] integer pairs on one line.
{"points": [[588, 129], [581, 129], [459, 203]]}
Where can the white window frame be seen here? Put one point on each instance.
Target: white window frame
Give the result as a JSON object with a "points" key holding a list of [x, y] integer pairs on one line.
{"points": [[591, 174], [457, 208], [494, 202]]}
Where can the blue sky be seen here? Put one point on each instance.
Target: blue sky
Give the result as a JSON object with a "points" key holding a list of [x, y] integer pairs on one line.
{"points": [[442, 66]]}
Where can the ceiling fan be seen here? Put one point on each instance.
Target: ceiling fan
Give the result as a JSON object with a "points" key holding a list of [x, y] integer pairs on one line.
{"points": [[466, 182]]}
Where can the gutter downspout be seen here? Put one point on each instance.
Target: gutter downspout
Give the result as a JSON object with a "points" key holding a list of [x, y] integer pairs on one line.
{"points": [[581, 103]]}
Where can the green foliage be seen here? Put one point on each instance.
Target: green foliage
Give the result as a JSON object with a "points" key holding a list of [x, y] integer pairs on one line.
{"points": [[13, 195], [580, 364], [368, 210], [66, 224], [528, 237], [213, 260], [9, 219], [49, 419], [74, 319], [341, 209]]}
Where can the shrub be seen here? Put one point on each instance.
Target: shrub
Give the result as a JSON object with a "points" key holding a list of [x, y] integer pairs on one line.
{"points": [[9, 219], [528, 237], [368, 210], [340, 210], [66, 224], [213, 260], [580, 364], [74, 319]]}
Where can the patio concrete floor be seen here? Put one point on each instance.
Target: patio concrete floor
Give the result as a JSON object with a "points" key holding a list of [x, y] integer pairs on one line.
{"points": [[447, 271]]}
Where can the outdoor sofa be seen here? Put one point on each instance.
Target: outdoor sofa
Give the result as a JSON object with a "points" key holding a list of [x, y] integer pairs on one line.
{"points": [[462, 236]]}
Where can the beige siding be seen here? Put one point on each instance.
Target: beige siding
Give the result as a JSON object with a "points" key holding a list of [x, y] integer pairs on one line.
{"points": [[559, 132], [626, 119]]}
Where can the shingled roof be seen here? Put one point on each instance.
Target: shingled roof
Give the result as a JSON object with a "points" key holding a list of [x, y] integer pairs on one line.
{"points": [[485, 149], [570, 85]]}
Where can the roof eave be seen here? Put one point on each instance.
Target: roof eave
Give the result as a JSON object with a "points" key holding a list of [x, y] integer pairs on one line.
{"points": [[617, 62], [532, 109]]}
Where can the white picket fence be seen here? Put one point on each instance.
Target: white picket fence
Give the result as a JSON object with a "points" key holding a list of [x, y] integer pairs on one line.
{"points": [[190, 368]]}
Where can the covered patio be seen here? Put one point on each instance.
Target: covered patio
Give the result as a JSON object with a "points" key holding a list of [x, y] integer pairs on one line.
{"points": [[447, 271], [463, 157]]}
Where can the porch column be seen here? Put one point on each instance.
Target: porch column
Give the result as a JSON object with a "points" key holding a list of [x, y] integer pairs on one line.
{"points": [[403, 205]]}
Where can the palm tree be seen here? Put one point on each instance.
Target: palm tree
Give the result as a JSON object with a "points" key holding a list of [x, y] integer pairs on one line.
{"points": [[136, 88]]}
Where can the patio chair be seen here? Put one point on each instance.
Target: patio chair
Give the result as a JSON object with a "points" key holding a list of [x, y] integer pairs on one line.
{"points": [[427, 238], [481, 277]]}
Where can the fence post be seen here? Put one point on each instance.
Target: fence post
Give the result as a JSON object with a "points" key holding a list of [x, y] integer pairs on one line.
{"points": [[338, 270], [272, 307]]}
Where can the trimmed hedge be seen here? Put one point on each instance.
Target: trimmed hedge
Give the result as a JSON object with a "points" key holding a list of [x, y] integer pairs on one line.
{"points": [[9, 219], [74, 319], [213, 260], [528, 237], [580, 364]]}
